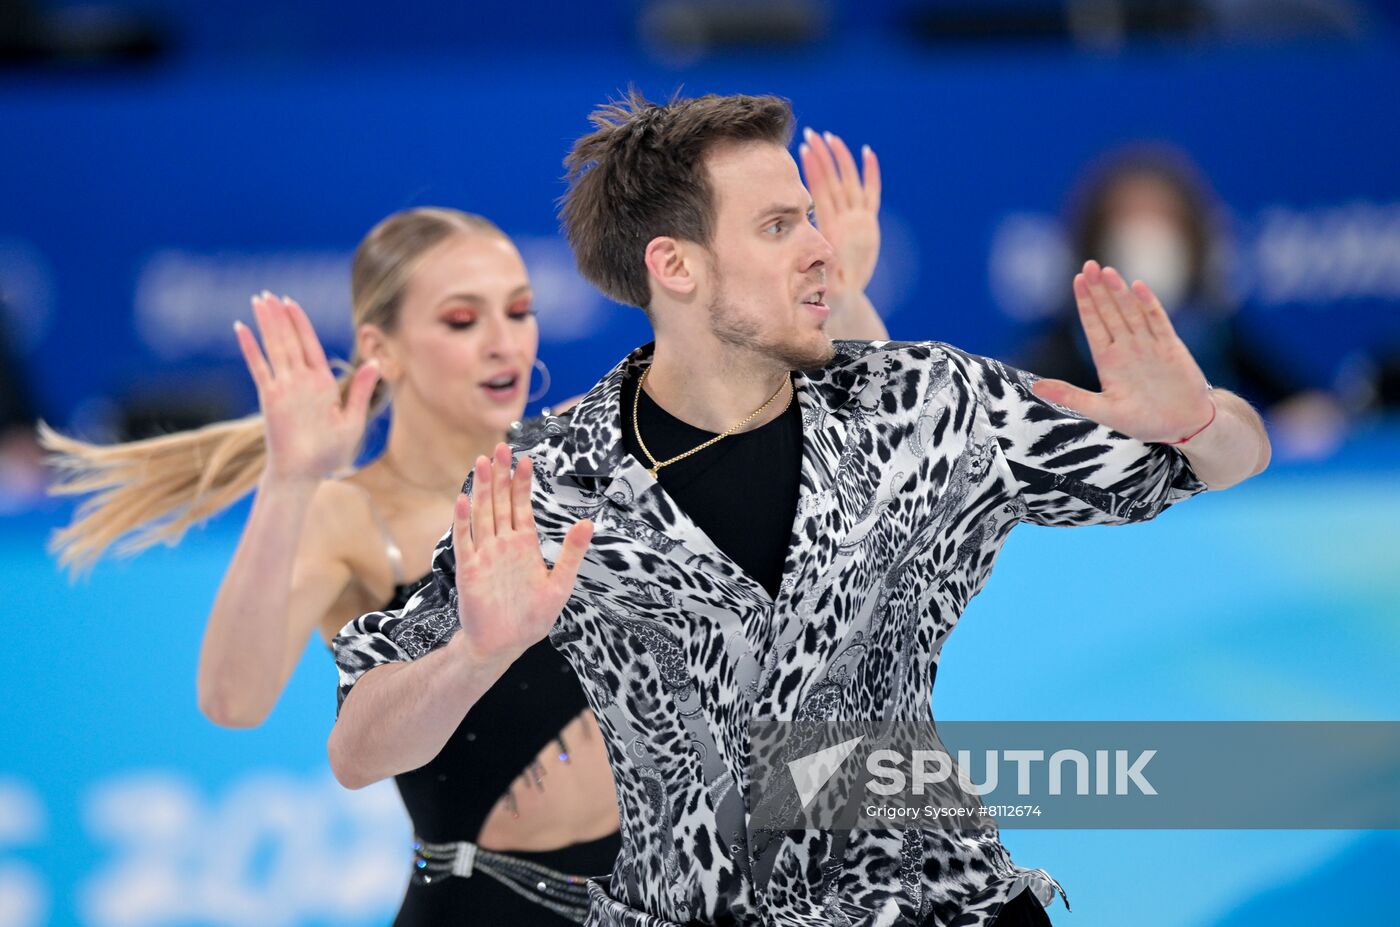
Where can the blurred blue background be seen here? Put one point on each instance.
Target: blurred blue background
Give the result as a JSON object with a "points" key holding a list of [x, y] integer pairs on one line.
{"points": [[163, 160]]}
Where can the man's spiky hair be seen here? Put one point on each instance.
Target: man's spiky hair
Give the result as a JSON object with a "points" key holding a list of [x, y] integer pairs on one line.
{"points": [[641, 175]]}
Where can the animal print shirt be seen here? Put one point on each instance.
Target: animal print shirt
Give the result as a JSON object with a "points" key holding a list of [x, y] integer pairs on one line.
{"points": [[918, 460]]}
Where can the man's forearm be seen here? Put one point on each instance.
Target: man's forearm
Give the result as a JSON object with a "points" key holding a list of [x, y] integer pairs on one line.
{"points": [[1234, 447], [398, 716]]}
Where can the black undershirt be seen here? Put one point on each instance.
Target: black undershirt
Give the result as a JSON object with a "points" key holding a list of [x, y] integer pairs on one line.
{"points": [[740, 491]]}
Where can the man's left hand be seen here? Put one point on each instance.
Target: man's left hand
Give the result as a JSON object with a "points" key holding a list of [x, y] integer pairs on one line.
{"points": [[1153, 389]]}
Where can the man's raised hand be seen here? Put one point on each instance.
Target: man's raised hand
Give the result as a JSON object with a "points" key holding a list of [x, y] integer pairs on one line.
{"points": [[847, 207], [1152, 388], [507, 598]]}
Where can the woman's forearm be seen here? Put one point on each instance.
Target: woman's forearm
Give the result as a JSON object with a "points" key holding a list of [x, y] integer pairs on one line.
{"points": [[245, 656]]}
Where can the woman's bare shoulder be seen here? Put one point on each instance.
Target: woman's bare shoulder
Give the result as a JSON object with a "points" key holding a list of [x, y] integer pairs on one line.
{"points": [[340, 523]]}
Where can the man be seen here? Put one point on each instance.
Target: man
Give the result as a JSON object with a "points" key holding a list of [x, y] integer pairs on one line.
{"points": [[746, 522]]}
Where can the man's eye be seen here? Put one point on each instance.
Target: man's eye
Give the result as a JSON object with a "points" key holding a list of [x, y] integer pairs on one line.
{"points": [[776, 227]]}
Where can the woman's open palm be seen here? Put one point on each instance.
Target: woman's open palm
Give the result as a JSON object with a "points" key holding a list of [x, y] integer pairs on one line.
{"points": [[311, 432]]}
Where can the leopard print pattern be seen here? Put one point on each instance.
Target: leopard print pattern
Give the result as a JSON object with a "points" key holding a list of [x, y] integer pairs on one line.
{"points": [[918, 459]]}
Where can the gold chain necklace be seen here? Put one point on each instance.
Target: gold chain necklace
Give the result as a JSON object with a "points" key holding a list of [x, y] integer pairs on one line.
{"points": [[658, 464]]}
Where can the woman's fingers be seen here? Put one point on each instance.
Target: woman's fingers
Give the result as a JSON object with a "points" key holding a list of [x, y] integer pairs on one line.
{"points": [[831, 177], [252, 356], [312, 353], [361, 390], [283, 351]]}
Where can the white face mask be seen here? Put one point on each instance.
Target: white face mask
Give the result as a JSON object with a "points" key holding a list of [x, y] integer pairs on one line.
{"points": [[1153, 251]]}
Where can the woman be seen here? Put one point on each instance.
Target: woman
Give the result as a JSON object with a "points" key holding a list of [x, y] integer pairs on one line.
{"points": [[443, 325]]}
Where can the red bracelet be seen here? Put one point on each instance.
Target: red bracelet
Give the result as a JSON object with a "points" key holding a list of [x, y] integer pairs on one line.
{"points": [[1213, 409]]}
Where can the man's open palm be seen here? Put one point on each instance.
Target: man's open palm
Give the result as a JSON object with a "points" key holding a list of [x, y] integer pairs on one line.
{"points": [[507, 596], [1152, 388]]}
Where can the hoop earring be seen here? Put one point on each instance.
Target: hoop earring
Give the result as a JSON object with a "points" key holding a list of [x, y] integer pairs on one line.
{"points": [[544, 377]]}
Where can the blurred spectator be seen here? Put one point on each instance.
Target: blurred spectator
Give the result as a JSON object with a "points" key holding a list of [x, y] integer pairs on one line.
{"points": [[1147, 212]]}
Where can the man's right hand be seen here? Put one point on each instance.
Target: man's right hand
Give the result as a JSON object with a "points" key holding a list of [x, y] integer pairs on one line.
{"points": [[847, 208], [507, 597]]}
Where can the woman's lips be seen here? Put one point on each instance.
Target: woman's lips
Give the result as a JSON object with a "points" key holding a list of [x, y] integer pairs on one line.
{"points": [[503, 393]]}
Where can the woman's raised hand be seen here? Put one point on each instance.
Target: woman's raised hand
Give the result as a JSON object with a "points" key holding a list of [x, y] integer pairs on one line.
{"points": [[310, 431], [507, 597]]}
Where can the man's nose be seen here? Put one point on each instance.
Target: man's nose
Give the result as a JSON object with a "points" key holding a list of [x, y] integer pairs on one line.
{"points": [[820, 253]]}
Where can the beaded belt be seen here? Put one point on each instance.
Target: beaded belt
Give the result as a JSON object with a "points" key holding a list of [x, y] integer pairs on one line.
{"points": [[565, 895]]}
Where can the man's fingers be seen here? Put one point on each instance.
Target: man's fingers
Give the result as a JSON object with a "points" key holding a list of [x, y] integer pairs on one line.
{"points": [[872, 178], [1128, 305], [1090, 405], [252, 355], [462, 527], [1158, 323], [522, 513], [566, 567], [361, 389], [500, 487], [483, 519], [1098, 292], [819, 184], [311, 351], [1094, 330], [816, 181], [850, 175]]}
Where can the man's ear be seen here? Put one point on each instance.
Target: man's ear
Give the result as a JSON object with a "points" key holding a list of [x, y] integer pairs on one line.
{"points": [[372, 344], [670, 265]]}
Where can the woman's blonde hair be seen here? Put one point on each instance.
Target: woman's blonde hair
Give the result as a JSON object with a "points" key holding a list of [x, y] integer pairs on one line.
{"points": [[154, 490]]}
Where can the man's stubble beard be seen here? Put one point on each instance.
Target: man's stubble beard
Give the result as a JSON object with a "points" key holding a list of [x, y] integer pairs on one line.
{"points": [[731, 328]]}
